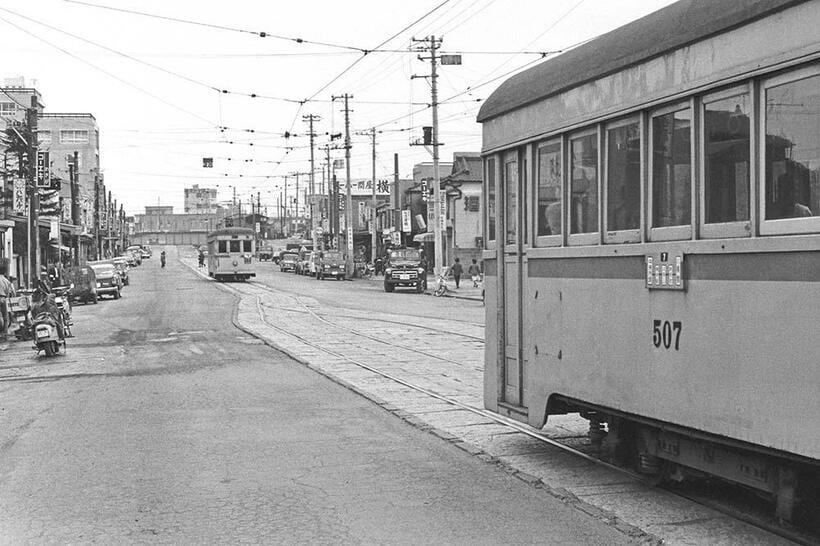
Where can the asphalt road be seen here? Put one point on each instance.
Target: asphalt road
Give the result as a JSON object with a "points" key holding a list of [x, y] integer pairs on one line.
{"points": [[165, 424]]}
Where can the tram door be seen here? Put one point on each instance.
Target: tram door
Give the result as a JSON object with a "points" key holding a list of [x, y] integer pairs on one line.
{"points": [[514, 194]]}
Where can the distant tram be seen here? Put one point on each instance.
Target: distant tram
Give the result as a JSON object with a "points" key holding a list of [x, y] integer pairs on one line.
{"points": [[652, 250], [231, 254]]}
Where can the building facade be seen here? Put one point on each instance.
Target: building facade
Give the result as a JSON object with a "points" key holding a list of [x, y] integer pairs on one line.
{"points": [[200, 200]]}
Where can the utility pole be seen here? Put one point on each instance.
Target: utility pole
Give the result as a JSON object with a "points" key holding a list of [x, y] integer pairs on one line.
{"points": [[34, 196], [349, 199], [74, 176], [287, 205], [432, 44], [310, 119], [373, 236]]}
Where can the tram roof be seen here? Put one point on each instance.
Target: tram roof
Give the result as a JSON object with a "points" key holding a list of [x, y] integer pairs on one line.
{"points": [[667, 29], [231, 231]]}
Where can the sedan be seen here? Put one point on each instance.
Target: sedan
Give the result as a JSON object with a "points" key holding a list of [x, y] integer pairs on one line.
{"points": [[108, 280]]}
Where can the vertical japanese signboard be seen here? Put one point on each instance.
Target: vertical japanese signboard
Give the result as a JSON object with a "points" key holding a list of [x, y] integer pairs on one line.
{"points": [[19, 195], [43, 175], [406, 227]]}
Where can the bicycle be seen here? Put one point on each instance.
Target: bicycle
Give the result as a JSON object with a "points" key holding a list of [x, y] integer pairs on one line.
{"points": [[441, 283]]}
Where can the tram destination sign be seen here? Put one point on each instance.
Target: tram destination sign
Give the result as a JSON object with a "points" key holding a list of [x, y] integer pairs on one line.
{"points": [[664, 271]]}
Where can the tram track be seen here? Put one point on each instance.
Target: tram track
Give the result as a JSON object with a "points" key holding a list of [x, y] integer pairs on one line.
{"points": [[515, 426]]}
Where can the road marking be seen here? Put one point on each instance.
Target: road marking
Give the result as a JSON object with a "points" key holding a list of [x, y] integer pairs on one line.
{"points": [[197, 350]]}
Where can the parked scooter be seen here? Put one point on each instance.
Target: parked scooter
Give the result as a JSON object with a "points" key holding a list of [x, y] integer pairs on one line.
{"points": [[48, 326]]}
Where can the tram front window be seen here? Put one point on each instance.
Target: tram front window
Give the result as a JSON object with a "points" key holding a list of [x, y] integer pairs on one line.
{"points": [[246, 246], [623, 177], [549, 190], [726, 130], [793, 149], [235, 246], [672, 169], [223, 247], [584, 184]]}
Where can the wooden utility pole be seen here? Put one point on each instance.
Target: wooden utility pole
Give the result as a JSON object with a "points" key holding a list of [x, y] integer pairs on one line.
{"points": [[349, 190], [310, 119], [373, 236], [432, 44], [34, 196]]}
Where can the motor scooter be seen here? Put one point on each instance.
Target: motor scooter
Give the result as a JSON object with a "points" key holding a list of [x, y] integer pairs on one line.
{"points": [[46, 335]]}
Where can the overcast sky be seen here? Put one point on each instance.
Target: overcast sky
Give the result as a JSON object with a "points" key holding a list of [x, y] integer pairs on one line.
{"points": [[158, 122]]}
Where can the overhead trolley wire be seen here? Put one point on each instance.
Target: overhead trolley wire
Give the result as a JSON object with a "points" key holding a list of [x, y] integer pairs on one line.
{"points": [[107, 73], [261, 34]]}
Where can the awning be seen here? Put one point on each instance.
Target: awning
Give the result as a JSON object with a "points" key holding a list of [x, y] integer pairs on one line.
{"points": [[424, 238]]}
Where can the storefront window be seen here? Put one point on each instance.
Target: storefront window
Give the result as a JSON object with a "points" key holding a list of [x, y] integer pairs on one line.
{"points": [[672, 169], [726, 132], [623, 177], [793, 149], [584, 184], [549, 190]]}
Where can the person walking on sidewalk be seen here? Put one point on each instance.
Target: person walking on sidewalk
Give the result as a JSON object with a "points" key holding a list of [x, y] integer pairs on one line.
{"points": [[6, 291], [474, 271], [457, 271]]}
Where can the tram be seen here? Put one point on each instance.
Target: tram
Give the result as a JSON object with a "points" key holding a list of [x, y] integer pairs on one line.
{"points": [[231, 254], [652, 255]]}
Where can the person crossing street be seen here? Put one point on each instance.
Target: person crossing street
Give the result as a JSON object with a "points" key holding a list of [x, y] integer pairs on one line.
{"points": [[457, 271]]}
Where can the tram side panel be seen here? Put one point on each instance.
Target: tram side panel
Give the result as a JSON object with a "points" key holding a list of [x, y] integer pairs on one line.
{"points": [[738, 359], [493, 323]]}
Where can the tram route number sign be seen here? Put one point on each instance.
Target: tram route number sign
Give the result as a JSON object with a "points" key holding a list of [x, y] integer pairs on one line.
{"points": [[665, 272]]}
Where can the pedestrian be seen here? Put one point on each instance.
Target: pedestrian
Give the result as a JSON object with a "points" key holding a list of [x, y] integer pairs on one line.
{"points": [[457, 271], [475, 273], [6, 291]]}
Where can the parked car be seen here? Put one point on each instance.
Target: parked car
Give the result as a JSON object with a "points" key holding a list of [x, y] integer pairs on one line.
{"points": [[108, 280], [122, 267], [136, 252], [85, 284], [288, 262], [331, 264]]}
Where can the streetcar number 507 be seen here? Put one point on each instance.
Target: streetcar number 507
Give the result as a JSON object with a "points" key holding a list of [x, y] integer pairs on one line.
{"points": [[666, 333]]}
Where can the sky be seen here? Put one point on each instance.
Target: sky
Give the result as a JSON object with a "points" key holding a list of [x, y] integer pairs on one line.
{"points": [[154, 80]]}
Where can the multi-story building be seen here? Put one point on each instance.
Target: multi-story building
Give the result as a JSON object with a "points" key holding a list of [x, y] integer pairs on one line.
{"points": [[159, 225], [66, 136], [200, 200]]}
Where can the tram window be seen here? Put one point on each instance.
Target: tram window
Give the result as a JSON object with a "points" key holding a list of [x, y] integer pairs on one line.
{"points": [[246, 246], [549, 190], [235, 245], [223, 247], [511, 201], [491, 199], [793, 149], [623, 177], [584, 184], [671, 169], [726, 159]]}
